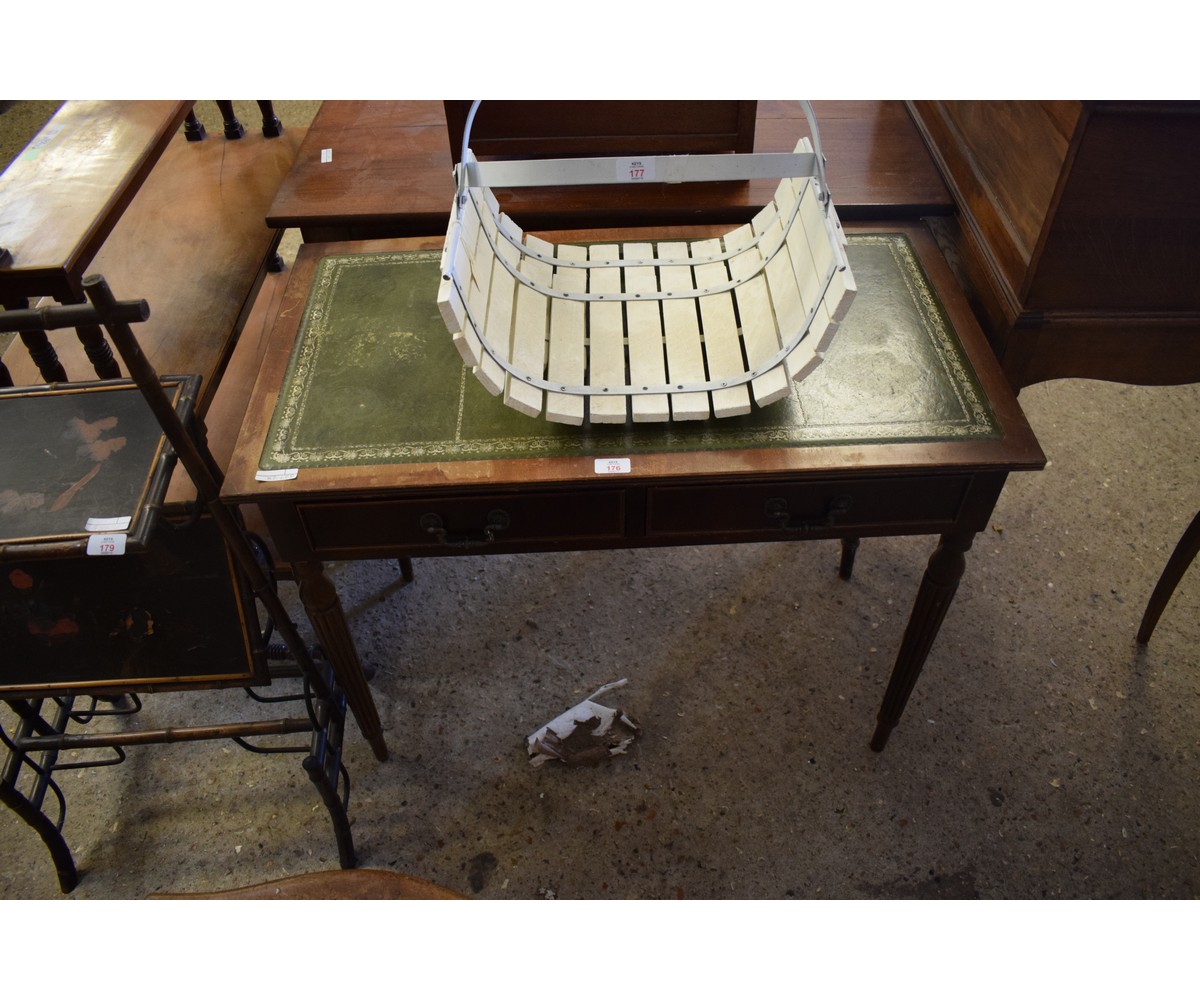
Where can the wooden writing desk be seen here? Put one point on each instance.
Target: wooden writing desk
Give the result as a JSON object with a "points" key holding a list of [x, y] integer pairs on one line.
{"points": [[907, 428], [389, 174]]}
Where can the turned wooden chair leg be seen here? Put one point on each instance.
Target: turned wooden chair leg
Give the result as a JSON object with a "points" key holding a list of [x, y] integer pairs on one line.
{"points": [[98, 352], [233, 127], [1185, 551], [44, 356], [193, 128], [272, 127]]}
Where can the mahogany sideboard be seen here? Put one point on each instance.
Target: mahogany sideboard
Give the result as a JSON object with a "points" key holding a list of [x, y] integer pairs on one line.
{"points": [[1078, 233]]}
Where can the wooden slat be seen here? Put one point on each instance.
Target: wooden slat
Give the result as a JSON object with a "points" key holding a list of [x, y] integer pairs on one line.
{"points": [[809, 280], [810, 269], [646, 360], [840, 292], [781, 280], [483, 263], [530, 315], [811, 223], [681, 329], [607, 340], [449, 301], [568, 346], [722, 346], [760, 334], [502, 294]]}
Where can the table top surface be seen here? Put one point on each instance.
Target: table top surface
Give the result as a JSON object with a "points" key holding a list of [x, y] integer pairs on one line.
{"points": [[82, 169], [192, 244], [378, 399], [388, 164]]}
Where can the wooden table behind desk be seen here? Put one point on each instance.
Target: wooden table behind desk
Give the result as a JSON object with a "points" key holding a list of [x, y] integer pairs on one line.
{"points": [[193, 245], [388, 174], [81, 171]]}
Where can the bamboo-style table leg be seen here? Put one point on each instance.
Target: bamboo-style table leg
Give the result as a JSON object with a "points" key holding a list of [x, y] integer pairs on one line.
{"points": [[60, 853], [324, 609], [937, 590]]}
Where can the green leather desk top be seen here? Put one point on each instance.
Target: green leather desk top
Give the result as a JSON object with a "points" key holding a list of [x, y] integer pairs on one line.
{"points": [[374, 378]]}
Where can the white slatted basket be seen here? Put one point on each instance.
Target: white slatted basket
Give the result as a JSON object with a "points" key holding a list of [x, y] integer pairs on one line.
{"points": [[652, 330]]}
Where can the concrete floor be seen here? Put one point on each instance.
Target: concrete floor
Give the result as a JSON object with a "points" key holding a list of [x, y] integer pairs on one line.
{"points": [[1043, 754]]}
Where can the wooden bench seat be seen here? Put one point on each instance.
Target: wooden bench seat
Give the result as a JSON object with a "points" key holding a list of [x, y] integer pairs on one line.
{"points": [[194, 244]]}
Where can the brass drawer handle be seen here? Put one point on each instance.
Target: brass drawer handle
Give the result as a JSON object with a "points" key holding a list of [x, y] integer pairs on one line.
{"points": [[779, 516], [497, 520]]}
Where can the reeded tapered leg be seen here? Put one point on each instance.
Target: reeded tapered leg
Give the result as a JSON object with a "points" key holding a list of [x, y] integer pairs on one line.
{"points": [[937, 590], [324, 609], [1186, 550], [849, 551]]}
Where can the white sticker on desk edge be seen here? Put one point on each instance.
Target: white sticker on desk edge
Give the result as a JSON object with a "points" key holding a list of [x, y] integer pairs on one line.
{"points": [[275, 475], [327, 155], [612, 466], [107, 523], [106, 545]]}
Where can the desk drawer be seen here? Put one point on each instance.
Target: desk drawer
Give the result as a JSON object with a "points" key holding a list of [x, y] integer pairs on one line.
{"points": [[746, 511], [441, 525]]}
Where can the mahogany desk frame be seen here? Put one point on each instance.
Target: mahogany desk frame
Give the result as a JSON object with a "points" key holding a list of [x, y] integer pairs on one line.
{"points": [[953, 486]]}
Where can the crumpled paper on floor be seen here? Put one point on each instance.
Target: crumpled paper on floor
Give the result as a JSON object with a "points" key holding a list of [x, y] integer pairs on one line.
{"points": [[584, 735]]}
